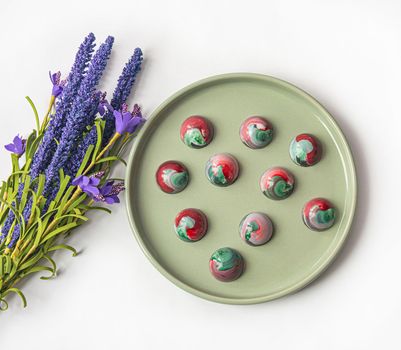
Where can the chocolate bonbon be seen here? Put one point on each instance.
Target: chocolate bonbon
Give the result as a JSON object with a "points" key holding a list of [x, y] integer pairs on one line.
{"points": [[318, 214], [172, 176], [305, 150], [196, 131], [256, 228], [256, 132], [226, 264], [277, 183], [190, 225], [222, 169]]}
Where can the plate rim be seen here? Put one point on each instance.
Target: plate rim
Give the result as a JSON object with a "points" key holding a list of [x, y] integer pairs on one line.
{"points": [[352, 178]]}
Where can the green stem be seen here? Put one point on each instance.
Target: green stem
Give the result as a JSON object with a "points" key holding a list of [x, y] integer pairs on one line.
{"points": [[102, 152], [46, 117], [12, 284], [4, 199], [77, 192], [35, 112]]}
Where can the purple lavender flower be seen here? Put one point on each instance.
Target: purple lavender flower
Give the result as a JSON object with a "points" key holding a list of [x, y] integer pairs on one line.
{"points": [[45, 152], [104, 105], [15, 236], [109, 192], [7, 226], [77, 121], [92, 110], [76, 107], [76, 158], [17, 146], [127, 79], [87, 184], [127, 122], [122, 91], [58, 84]]}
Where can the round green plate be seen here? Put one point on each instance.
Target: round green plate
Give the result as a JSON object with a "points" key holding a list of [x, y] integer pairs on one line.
{"points": [[296, 255]]}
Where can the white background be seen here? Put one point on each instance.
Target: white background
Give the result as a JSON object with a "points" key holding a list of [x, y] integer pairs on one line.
{"points": [[346, 54]]}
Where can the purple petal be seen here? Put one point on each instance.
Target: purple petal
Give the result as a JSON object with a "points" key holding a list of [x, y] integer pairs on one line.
{"points": [[119, 121], [127, 116], [112, 200], [126, 120], [77, 180], [106, 189], [98, 198], [92, 190], [94, 181], [134, 122], [17, 142], [57, 90], [84, 181], [10, 147]]}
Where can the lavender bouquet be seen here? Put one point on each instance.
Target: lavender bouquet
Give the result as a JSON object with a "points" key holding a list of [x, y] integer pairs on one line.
{"points": [[62, 169]]}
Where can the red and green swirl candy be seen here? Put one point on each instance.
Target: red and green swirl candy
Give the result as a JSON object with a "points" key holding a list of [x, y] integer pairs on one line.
{"points": [[277, 183], [305, 150], [190, 225], [256, 229], [226, 264], [318, 214], [196, 132], [172, 176], [222, 169], [256, 132]]}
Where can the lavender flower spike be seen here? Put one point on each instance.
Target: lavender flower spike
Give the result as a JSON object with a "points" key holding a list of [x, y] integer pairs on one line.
{"points": [[87, 184], [122, 91], [17, 146], [77, 121], [58, 85], [77, 157], [127, 122], [127, 79], [46, 149], [90, 138]]}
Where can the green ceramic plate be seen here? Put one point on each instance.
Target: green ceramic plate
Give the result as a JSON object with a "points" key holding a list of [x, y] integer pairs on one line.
{"points": [[296, 255]]}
